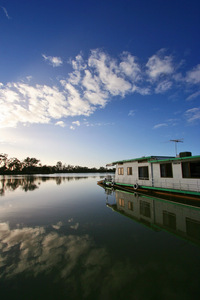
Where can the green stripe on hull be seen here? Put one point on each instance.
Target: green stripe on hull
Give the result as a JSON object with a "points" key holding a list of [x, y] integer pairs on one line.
{"points": [[161, 189]]}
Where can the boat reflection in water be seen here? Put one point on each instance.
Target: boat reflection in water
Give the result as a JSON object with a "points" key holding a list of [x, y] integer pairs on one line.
{"points": [[158, 214]]}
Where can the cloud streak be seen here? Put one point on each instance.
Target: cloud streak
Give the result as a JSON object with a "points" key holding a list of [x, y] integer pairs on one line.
{"points": [[6, 13], [193, 114], [160, 125]]}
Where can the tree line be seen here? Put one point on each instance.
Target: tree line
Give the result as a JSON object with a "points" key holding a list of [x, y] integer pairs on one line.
{"points": [[32, 165]]}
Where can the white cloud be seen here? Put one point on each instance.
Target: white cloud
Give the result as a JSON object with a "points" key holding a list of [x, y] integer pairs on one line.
{"points": [[6, 12], [93, 91], [143, 91], [88, 124], [160, 125], [172, 122], [193, 76], [109, 73], [194, 95], [76, 123], [90, 86], [7, 141], [29, 78], [130, 67], [78, 63], [75, 77], [53, 60], [167, 123], [60, 123], [159, 64], [163, 86], [39, 104], [131, 113], [77, 105], [193, 114]]}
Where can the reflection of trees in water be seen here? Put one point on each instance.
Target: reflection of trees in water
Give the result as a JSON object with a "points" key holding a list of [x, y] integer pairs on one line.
{"points": [[31, 183], [13, 183]]}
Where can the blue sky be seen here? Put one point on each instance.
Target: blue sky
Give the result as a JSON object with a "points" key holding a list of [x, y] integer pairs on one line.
{"points": [[91, 82]]}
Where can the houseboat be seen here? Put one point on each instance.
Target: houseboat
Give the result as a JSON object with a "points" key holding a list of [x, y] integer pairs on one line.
{"points": [[161, 175]]}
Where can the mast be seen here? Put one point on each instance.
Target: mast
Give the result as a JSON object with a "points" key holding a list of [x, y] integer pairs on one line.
{"points": [[176, 142]]}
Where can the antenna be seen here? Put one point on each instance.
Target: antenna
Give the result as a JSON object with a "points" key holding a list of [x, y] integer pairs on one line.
{"points": [[176, 141]]}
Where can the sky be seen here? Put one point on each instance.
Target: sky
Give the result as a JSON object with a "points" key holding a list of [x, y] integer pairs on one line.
{"points": [[92, 82]]}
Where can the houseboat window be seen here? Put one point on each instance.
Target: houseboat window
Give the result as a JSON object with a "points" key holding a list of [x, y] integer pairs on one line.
{"points": [[129, 171], [193, 228], [191, 169], [121, 202], [166, 170], [145, 209], [120, 171], [169, 220], [143, 173], [130, 205]]}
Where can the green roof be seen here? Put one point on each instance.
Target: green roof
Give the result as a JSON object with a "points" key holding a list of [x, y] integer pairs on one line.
{"points": [[134, 159], [148, 158], [177, 159], [155, 159]]}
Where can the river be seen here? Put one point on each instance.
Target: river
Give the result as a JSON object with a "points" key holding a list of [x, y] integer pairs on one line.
{"points": [[64, 237]]}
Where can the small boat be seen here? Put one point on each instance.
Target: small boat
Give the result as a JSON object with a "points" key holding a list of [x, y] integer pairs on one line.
{"points": [[158, 175]]}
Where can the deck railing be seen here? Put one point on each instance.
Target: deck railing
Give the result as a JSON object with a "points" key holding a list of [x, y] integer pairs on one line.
{"points": [[110, 178], [173, 184]]}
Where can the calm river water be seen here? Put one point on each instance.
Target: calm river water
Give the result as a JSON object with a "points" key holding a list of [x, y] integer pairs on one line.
{"points": [[65, 237]]}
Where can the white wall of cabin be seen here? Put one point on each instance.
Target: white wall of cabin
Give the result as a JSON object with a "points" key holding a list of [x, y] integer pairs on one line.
{"points": [[133, 179], [177, 182]]}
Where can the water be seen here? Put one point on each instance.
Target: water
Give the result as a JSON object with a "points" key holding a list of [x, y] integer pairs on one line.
{"points": [[65, 237]]}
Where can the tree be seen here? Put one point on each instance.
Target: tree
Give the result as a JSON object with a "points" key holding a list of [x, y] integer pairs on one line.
{"points": [[3, 160], [14, 164], [69, 168], [59, 166], [30, 162]]}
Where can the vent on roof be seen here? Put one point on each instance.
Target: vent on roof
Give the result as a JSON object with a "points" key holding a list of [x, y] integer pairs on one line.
{"points": [[185, 154]]}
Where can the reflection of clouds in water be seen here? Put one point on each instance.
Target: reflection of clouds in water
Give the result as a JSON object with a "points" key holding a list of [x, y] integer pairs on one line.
{"points": [[75, 227], [58, 225], [95, 265], [34, 250], [85, 267]]}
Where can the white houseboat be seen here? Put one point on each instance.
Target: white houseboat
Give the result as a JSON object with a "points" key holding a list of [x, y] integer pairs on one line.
{"points": [[158, 174]]}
